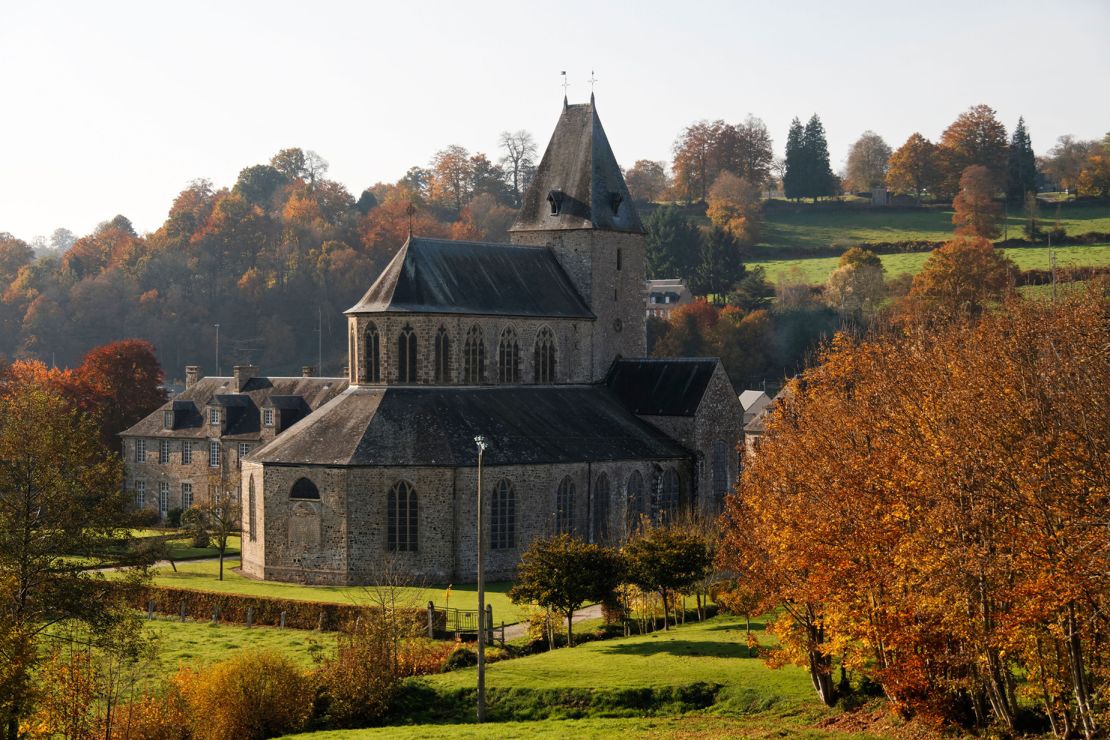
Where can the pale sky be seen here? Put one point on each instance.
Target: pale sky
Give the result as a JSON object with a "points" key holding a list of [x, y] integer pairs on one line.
{"points": [[113, 107]]}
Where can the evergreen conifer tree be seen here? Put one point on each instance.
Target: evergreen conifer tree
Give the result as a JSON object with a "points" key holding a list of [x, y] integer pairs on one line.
{"points": [[818, 178], [793, 177], [1021, 175]]}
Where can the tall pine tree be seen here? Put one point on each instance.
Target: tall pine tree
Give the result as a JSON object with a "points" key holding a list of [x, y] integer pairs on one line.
{"points": [[1021, 166], [793, 176], [818, 179]]}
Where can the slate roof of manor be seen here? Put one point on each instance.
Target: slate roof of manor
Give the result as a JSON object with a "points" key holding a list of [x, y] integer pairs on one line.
{"points": [[189, 406], [663, 386], [436, 426], [578, 168], [461, 277]]}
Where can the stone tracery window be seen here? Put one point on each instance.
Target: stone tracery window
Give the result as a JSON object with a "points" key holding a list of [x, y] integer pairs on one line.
{"points": [[564, 507], [667, 496], [720, 471], [474, 356], [599, 530], [372, 372], [635, 510], [503, 516], [401, 518], [544, 364], [406, 355], [442, 356], [508, 357]]}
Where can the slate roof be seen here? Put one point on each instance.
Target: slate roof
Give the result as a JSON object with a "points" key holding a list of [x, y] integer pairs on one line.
{"points": [[436, 426], [459, 277], [661, 387], [245, 424], [578, 166]]}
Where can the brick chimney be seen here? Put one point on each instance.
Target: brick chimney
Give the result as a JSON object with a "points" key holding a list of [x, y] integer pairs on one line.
{"points": [[346, 371], [241, 375], [192, 375], [308, 371]]}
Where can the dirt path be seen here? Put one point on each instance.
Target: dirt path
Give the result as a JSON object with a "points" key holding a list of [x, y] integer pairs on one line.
{"points": [[520, 629]]}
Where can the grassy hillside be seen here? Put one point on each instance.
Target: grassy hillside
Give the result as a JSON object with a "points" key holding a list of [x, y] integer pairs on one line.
{"points": [[816, 269], [806, 226]]}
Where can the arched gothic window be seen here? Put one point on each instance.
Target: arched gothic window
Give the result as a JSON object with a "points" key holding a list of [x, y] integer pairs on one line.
{"points": [[401, 518], [667, 495], [508, 357], [503, 516], [406, 355], [352, 353], [372, 372], [599, 531], [442, 356], [564, 507], [720, 471], [635, 510], [304, 488], [252, 515], [544, 364], [474, 356]]}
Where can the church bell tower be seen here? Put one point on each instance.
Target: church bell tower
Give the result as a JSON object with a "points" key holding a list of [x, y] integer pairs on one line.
{"points": [[579, 206]]}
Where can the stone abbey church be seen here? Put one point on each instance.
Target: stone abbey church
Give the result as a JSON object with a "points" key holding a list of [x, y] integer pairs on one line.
{"points": [[537, 345]]}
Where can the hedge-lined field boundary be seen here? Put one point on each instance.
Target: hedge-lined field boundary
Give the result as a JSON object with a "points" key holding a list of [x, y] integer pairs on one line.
{"points": [[263, 610]]}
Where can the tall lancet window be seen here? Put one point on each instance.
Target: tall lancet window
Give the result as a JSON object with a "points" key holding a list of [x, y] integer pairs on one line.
{"points": [[545, 356], [474, 356], [406, 356], [443, 356], [508, 357], [372, 370]]}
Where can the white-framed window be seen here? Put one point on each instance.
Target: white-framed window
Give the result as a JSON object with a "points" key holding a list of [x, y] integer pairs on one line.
{"points": [[167, 419], [186, 495], [140, 493], [163, 451], [268, 417], [213, 453], [187, 452], [244, 449], [213, 416], [163, 497], [140, 450]]}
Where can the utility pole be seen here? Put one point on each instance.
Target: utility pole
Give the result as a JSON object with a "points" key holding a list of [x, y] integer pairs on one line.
{"points": [[320, 340], [217, 348], [481, 442]]}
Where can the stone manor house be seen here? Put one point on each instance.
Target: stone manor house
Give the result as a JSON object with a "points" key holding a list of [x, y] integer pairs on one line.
{"points": [[537, 345]]}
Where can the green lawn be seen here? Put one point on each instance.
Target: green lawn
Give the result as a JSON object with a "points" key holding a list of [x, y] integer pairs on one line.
{"points": [[203, 576], [815, 270], [196, 643], [183, 549], [805, 226]]}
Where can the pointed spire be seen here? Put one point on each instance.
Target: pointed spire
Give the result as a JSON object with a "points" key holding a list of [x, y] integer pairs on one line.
{"points": [[591, 97], [565, 104]]}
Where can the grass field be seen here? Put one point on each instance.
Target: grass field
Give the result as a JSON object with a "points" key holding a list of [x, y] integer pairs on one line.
{"points": [[804, 226], [592, 691], [195, 643], [183, 550], [203, 576], [815, 270]]}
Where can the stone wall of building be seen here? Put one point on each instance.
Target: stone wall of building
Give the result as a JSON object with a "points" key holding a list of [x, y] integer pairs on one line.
{"points": [[718, 433], [608, 269], [176, 475], [572, 338]]}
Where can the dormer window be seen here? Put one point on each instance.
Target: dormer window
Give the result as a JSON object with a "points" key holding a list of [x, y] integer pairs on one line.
{"points": [[213, 416], [615, 200], [555, 200], [268, 417], [167, 419]]}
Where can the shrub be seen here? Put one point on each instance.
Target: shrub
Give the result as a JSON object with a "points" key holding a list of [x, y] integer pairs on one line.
{"points": [[255, 694], [173, 518], [359, 683]]}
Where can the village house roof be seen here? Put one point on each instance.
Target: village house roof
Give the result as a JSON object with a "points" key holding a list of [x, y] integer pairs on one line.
{"points": [[662, 386], [436, 426], [578, 184], [458, 277], [189, 408]]}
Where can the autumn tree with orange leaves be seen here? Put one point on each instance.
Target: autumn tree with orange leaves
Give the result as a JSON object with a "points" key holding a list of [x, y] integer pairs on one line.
{"points": [[975, 211], [929, 508]]}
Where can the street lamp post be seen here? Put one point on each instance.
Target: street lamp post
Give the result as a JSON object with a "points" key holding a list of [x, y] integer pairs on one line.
{"points": [[481, 442], [217, 349]]}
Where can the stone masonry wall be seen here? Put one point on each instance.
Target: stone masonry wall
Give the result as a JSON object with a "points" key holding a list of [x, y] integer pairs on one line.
{"points": [[720, 417], [572, 338]]}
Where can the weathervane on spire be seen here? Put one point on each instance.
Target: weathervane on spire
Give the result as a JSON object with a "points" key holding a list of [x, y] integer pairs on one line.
{"points": [[592, 81], [565, 83]]}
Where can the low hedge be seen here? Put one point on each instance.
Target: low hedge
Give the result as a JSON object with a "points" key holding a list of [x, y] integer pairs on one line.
{"points": [[232, 608]]}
